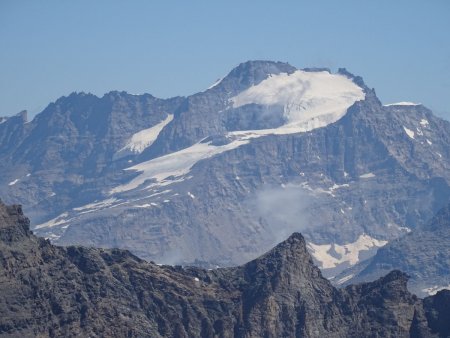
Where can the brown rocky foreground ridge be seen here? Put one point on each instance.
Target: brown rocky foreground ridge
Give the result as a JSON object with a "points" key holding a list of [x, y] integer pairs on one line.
{"points": [[51, 291]]}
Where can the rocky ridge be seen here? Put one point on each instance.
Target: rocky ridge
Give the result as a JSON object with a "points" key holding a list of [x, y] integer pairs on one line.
{"points": [[241, 182], [51, 291]]}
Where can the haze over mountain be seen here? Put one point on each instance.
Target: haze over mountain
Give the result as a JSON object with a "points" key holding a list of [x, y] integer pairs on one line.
{"points": [[219, 177]]}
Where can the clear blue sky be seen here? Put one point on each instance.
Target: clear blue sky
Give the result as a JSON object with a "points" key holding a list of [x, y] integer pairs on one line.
{"points": [[167, 48]]}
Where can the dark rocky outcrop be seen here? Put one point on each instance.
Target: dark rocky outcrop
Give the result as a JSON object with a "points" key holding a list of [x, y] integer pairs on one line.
{"points": [[50, 291]]}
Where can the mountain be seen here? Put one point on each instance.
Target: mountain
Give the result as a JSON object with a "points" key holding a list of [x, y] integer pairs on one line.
{"points": [[219, 177], [51, 291], [424, 254], [68, 148]]}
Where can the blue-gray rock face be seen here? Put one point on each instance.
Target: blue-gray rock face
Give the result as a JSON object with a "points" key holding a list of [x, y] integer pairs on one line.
{"points": [[219, 177]]}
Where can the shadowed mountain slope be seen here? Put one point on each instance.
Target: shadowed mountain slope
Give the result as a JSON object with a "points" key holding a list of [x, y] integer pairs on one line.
{"points": [[51, 291]]}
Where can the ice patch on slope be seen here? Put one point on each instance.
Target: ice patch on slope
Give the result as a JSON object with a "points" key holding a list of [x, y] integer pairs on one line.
{"points": [[143, 139], [338, 186], [424, 122], [97, 205], [175, 164], [310, 99], [409, 132], [215, 83], [61, 219], [146, 205], [368, 175], [13, 182], [404, 103], [344, 279], [332, 255]]}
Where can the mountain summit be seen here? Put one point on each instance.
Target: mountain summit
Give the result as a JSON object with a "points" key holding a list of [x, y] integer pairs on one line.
{"points": [[219, 177]]}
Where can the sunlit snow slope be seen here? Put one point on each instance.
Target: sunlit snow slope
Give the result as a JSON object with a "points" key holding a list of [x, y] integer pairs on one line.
{"points": [[310, 100]]}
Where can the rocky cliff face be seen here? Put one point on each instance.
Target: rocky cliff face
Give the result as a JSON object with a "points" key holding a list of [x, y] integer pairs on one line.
{"points": [[66, 152], [51, 291], [219, 177]]}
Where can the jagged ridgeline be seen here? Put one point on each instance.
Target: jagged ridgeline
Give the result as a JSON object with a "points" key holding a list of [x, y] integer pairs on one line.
{"points": [[46, 290], [221, 176]]}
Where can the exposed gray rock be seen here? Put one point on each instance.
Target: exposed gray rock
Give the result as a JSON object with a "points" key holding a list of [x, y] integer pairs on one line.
{"points": [[65, 154], [362, 174], [51, 291]]}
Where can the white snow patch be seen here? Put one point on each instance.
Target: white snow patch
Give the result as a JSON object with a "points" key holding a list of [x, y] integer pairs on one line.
{"points": [[404, 103], [196, 279], [325, 254], [344, 279], [146, 205], [175, 164], [409, 132], [191, 195], [338, 186], [310, 99], [439, 154], [13, 182], [435, 289], [306, 186], [424, 122], [144, 138], [52, 194], [61, 219], [52, 237], [367, 175], [429, 142], [28, 175], [159, 193], [215, 83], [97, 205], [398, 227], [317, 190]]}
